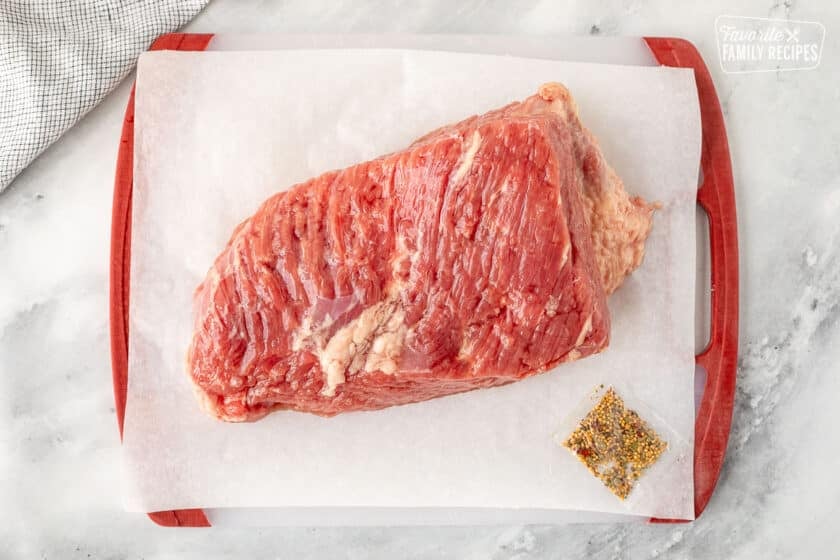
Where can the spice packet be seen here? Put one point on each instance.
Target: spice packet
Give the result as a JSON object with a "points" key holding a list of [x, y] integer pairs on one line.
{"points": [[621, 442]]}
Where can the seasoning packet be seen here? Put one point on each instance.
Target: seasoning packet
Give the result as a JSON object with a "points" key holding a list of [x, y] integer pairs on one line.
{"points": [[618, 441]]}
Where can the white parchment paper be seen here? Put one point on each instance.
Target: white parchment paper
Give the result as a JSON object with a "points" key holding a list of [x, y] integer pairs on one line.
{"points": [[218, 132]]}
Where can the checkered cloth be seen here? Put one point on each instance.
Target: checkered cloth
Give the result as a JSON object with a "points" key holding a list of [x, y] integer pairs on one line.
{"points": [[59, 58]]}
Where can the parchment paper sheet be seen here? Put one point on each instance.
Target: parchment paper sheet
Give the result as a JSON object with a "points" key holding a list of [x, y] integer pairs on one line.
{"points": [[218, 132]]}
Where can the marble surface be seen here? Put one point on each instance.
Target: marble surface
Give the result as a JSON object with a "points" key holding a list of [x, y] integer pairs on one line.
{"points": [[777, 496]]}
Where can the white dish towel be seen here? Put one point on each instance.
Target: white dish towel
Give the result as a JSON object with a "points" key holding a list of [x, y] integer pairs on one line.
{"points": [[59, 58]]}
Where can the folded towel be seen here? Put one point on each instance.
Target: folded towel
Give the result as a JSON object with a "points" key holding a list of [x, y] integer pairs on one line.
{"points": [[59, 58]]}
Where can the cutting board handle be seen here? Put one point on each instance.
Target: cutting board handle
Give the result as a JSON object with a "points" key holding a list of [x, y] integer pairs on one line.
{"points": [[716, 196]]}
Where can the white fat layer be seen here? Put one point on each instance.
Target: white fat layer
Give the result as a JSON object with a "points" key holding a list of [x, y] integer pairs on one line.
{"points": [[372, 341], [584, 332], [551, 306], [469, 156], [565, 258], [303, 334], [572, 356], [386, 347], [402, 255]]}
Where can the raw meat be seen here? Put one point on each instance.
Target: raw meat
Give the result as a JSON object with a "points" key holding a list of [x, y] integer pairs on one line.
{"points": [[480, 255]]}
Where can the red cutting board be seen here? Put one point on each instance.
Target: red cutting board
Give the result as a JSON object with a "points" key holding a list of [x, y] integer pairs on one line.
{"points": [[715, 195]]}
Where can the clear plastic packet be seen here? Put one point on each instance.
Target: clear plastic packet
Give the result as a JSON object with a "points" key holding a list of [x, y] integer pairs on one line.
{"points": [[623, 445]]}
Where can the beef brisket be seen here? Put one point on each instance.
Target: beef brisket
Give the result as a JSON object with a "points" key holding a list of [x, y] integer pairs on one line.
{"points": [[480, 255]]}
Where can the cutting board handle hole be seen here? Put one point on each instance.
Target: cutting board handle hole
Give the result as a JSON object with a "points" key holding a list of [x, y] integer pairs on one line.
{"points": [[703, 284]]}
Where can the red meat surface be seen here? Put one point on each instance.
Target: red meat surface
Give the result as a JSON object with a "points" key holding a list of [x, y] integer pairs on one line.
{"points": [[480, 255]]}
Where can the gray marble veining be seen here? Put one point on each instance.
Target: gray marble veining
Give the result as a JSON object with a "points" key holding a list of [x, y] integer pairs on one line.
{"points": [[777, 496]]}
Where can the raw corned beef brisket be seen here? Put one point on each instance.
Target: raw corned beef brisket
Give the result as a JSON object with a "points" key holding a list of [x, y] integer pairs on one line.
{"points": [[480, 255]]}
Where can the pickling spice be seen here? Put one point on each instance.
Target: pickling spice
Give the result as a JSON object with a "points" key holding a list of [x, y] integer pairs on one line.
{"points": [[615, 444]]}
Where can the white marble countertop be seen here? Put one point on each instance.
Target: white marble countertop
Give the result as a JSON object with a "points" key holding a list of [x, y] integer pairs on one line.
{"points": [[777, 496]]}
